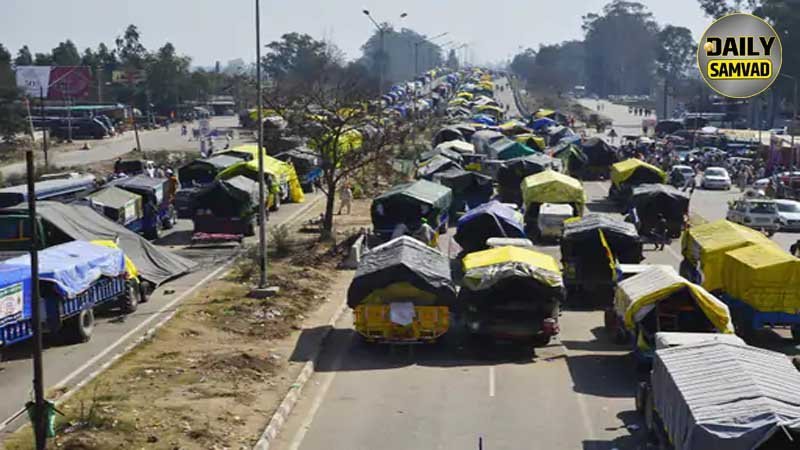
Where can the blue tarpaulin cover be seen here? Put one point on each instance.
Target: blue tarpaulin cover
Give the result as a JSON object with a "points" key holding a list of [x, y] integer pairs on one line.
{"points": [[15, 292], [74, 266], [492, 219]]}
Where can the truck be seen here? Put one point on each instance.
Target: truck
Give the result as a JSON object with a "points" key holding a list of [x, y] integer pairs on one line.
{"points": [[75, 279]]}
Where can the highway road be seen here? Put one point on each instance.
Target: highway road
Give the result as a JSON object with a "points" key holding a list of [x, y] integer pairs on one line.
{"points": [[574, 394], [67, 365], [117, 146]]}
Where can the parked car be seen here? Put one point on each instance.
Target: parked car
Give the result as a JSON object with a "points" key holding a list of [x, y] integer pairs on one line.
{"points": [[760, 214], [679, 175], [716, 178], [788, 214]]}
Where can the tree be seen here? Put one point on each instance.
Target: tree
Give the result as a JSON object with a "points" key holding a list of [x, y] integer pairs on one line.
{"points": [[296, 57], [130, 50], [66, 54], [553, 67], [675, 53], [89, 58], [43, 59], [452, 60], [165, 72], [675, 57], [24, 57], [524, 63], [10, 110], [106, 57], [343, 132], [719, 8], [620, 46]]}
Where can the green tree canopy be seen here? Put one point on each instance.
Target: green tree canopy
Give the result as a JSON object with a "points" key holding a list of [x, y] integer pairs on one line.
{"points": [[66, 54], [675, 53], [621, 46], [24, 57], [295, 57]]}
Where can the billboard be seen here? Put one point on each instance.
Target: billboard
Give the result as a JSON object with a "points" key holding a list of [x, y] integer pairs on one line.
{"points": [[55, 82]]}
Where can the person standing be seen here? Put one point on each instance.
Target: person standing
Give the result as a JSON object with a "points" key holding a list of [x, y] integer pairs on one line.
{"points": [[345, 198]]}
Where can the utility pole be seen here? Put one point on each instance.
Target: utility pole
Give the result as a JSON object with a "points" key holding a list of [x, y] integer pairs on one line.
{"points": [[262, 229], [39, 412], [44, 125], [136, 130]]}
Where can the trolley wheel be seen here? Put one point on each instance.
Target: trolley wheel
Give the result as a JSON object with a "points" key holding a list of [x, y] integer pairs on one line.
{"points": [[79, 329], [642, 392], [132, 298], [796, 333], [610, 321]]}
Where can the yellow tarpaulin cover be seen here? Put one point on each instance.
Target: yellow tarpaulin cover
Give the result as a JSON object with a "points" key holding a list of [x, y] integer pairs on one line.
{"points": [[253, 113], [706, 244], [486, 85], [622, 170], [466, 95], [488, 109], [511, 124], [552, 187], [130, 267], [657, 284], [544, 267], [509, 253], [531, 140], [763, 276], [544, 113], [458, 101], [399, 292], [274, 167]]}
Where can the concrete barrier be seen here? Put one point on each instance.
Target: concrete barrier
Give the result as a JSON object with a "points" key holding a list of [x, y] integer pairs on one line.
{"points": [[357, 250]]}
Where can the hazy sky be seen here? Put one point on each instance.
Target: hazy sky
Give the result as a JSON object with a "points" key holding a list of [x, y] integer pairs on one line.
{"points": [[221, 30]]}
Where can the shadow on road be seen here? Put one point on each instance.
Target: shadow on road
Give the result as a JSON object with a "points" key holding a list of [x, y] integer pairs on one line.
{"points": [[637, 440], [602, 342], [453, 350], [603, 375], [180, 237]]}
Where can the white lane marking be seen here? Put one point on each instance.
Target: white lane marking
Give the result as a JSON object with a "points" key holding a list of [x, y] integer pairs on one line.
{"points": [[491, 381], [83, 367], [297, 440], [64, 381]]}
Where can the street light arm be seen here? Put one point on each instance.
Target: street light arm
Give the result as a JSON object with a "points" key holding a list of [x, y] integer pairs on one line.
{"points": [[366, 13]]}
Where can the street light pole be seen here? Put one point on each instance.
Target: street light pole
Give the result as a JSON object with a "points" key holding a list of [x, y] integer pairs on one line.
{"points": [[262, 216], [382, 68]]}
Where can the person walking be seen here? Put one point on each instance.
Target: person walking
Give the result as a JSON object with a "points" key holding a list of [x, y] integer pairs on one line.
{"points": [[345, 198]]}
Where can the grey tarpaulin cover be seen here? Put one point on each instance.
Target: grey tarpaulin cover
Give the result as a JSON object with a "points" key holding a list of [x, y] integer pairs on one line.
{"points": [[725, 396], [81, 222], [403, 259], [113, 197], [590, 223], [434, 165]]}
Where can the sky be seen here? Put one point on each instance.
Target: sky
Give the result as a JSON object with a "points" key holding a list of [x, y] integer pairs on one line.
{"points": [[223, 30]]}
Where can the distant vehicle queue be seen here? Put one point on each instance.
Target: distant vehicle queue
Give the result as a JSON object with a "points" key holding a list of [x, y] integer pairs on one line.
{"points": [[504, 193]]}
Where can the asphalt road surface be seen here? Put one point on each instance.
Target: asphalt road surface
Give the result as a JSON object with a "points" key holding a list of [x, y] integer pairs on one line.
{"points": [[66, 365], [117, 146], [574, 394]]}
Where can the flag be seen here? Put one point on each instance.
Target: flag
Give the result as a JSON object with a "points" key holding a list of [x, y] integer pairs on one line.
{"points": [[612, 262]]}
